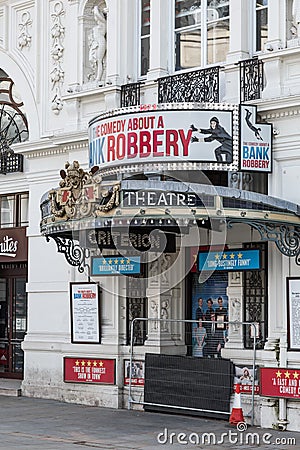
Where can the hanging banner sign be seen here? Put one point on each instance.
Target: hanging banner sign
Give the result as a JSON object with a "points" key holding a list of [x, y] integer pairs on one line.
{"points": [[116, 265], [163, 136], [89, 370], [231, 260], [256, 142], [279, 382]]}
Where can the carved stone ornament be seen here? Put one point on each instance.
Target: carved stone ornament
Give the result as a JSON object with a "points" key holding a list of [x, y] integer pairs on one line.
{"points": [[82, 194], [24, 38]]}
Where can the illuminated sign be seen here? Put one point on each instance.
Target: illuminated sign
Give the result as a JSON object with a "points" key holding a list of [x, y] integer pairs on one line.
{"points": [[163, 136], [153, 240], [256, 142], [158, 198], [231, 260], [116, 265]]}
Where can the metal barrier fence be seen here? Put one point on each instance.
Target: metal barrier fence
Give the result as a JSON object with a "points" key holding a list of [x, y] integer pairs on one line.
{"points": [[201, 350]]}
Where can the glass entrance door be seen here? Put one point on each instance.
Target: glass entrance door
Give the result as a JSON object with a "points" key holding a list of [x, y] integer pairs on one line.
{"points": [[13, 324]]}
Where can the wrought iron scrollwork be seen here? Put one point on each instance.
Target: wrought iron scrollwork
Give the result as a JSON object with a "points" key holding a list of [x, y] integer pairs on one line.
{"points": [[286, 238], [251, 79], [13, 127], [74, 254], [130, 94], [199, 86]]}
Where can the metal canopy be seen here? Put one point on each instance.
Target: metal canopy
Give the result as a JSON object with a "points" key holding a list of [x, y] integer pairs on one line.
{"points": [[168, 205]]}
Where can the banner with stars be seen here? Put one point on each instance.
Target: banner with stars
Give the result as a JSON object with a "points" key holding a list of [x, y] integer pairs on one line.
{"points": [[116, 265], [89, 370], [233, 260], [279, 382]]}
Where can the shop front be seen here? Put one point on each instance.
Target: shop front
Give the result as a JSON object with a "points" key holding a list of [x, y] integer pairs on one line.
{"points": [[13, 300]]}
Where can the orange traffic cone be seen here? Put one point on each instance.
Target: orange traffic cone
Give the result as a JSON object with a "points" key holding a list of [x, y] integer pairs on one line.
{"points": [[236, 415]]}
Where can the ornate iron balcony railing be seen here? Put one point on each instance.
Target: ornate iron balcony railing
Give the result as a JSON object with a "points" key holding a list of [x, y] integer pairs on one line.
{"points": [[130, 94], [251, 79], [197, 86], [11, 163]]}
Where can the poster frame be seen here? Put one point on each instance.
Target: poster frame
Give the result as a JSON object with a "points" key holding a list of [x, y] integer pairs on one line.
{"points": [[97, 314], [291, 318]]}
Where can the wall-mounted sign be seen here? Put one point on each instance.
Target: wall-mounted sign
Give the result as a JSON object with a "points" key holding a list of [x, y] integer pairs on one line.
{"points": [[137, 373], [231, 260], [13, 245], [147, 240], [163, 136], [293, 308], [256, 142], [85, 313], [279, 382], [244, 377], [116, 265], [89, 370]]}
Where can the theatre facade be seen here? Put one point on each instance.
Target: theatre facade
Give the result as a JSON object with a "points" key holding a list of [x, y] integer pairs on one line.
{"points": [[150, 192]]}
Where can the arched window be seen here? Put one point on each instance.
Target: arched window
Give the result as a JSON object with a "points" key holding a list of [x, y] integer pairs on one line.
{"points": [[13, 125]]}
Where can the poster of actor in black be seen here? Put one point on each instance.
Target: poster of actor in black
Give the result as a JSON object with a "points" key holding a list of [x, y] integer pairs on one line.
{"points": [[217, 133]]}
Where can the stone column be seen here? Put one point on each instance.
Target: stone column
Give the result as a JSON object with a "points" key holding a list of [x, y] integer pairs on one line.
{"points": [[159, 294], [159, 37], [235, 310]]}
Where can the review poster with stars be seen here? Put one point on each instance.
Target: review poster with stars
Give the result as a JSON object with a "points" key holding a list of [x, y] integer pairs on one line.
{"points": [[116, 265], [89, 370], [278, 382], [85, 313], [230, 260]]}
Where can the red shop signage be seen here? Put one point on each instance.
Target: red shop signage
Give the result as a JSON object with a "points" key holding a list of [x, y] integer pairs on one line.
{"points": [[89, 370], [279, 382]]}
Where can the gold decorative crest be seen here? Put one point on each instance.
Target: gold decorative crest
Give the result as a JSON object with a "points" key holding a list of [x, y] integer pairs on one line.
{"points": [[82, 194]]}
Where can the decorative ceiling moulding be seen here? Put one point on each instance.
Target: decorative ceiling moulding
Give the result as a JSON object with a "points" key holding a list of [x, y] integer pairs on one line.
{"points": [[57, 73]]}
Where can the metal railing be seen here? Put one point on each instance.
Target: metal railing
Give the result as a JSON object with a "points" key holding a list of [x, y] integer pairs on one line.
{"points": [[166, 324], [130, 94], [251, 79], [200, 86]]}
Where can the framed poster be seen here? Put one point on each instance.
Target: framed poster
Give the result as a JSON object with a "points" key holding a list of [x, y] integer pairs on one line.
{"points": [[137, 373], [293, 313], [85, 313]]}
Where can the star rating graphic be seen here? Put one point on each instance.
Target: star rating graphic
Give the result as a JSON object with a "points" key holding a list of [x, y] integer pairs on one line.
{"points": [[287, 374], [232, 255], [89, 363], [116, 261]]}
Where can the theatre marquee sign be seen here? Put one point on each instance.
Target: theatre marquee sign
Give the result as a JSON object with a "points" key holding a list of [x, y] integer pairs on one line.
{"points": [[216, 136]]}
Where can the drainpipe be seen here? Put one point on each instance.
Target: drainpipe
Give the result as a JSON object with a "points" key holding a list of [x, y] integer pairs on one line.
{"points": [[282, 419]]}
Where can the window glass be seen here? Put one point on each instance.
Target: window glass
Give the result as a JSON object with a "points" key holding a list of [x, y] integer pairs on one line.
{"points": [[14, 210], [145, 36], [23, 213], [201, 32], [7, 211], [261, 23]]}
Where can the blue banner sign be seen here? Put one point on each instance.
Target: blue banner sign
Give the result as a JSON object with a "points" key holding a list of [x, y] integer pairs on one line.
{"points": [[233, 260], [116, 265]]}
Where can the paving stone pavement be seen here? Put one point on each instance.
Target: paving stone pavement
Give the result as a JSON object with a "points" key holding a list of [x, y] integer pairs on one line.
{"points": [[29, 424]]}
